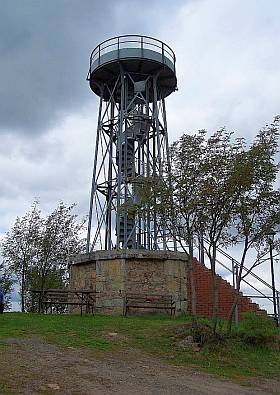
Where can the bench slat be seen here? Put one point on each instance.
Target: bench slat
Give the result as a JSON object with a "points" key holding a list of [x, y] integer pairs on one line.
{"points": [[152, 301]]}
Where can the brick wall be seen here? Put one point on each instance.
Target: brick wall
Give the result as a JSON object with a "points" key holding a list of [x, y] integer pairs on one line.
{"points": [[203, 283]]}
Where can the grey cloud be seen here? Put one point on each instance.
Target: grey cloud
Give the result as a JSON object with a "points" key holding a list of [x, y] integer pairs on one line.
{"points": [[44, 51]]}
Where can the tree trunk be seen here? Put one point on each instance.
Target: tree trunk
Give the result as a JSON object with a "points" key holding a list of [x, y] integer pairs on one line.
{"points": [[42, 289], [215, 304], [232, 311], [22, 291], [215, 292], [238, 286], [193, 294]]}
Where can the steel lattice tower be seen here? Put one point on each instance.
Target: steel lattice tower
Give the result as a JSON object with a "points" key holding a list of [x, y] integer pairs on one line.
{"points": [[132, 75]]}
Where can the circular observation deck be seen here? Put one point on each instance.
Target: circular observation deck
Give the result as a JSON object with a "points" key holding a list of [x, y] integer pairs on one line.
{"points": [[139, 55]]}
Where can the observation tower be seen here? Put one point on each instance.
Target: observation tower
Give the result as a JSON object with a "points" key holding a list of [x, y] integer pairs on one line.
{"points": [[132, 75]]}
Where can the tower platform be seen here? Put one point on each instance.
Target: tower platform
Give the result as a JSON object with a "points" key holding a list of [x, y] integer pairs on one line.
{"points": [[141, 55]]}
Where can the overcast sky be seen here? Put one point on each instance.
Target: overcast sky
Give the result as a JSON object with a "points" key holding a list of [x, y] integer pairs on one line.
{"points": [[228, 69]]}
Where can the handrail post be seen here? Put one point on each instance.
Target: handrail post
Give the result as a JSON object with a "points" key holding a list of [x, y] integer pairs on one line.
{"points": [[278, 306], [274, 292], [233, 273], [201, 249], [142, 49], [118, 47], [90, 63], [99, 55], [234, 283], [162, 52]]}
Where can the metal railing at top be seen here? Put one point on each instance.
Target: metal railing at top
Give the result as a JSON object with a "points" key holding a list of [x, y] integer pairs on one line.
{"points": [[132, 41]]}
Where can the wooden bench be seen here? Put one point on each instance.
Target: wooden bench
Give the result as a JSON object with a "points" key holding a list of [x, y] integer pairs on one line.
{"points": [[142, 301], [84, 299]]}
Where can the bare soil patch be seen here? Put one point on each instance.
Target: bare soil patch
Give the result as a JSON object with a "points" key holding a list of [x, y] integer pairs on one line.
{"points": [[33, 366]]}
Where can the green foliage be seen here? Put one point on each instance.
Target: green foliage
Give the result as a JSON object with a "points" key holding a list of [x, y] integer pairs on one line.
{"points": [[18, 247], [258, 329], [129, 208], [37, 248], [6, 284]]}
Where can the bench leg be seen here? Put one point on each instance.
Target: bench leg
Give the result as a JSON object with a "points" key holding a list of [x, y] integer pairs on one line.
{"points": [[126, 310], [124, 307]]}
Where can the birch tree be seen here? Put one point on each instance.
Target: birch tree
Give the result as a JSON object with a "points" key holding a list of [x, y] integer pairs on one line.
{"points": [[60, 237], [6, 284], [20, 247], [37, 248]]}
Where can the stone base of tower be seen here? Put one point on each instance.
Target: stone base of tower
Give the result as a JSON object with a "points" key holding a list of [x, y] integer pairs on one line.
{"points": [[114, 273]]}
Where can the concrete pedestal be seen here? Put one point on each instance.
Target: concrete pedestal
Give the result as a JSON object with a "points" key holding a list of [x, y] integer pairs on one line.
{"points": [[113, 273]]}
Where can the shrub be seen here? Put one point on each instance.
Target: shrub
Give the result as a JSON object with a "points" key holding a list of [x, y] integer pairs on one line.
{"points": [[202, 333], [258, 329]]}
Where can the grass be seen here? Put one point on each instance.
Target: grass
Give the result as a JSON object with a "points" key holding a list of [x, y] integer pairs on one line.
{"points": [[4, 390], [155, 335]]}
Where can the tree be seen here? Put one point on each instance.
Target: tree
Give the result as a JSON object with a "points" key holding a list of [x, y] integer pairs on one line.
{"points": [[200, 199], [185, 158], [218, 190], [6, 284], [166, 197], [60, 237], [217, 197], [19, 247], [37, 249], [257, 211]]}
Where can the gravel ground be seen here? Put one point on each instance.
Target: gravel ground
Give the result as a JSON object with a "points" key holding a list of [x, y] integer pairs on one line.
{"points": [[33, 366]]}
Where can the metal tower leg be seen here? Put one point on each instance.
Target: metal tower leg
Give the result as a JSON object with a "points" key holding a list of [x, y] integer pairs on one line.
{"points": [[93, 183]]}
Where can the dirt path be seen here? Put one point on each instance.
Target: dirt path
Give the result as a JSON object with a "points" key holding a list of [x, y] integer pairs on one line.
{"points": [[32, 366]]}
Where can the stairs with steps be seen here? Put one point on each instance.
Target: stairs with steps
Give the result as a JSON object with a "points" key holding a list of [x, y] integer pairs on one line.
{"points": [[226, 292]]}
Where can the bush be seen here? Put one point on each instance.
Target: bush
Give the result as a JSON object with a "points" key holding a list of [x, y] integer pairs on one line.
{"points": [[258, 329], [202, 333]]}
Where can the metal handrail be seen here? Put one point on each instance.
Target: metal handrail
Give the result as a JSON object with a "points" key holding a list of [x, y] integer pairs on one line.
{"points": [[246, 282], [244, 267], [237, 263], [139, 39], [263, 296]]}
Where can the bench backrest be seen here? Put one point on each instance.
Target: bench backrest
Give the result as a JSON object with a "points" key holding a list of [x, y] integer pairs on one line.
{"points": [[149, 298], [61, 296]]}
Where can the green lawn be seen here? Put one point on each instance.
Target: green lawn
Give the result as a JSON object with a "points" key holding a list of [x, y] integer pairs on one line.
{"points": [[155, 335]]}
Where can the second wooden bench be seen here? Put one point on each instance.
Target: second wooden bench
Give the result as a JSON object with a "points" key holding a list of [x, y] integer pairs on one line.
{"points": [[153, 302]]}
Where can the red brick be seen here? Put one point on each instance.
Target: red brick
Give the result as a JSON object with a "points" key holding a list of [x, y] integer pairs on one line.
{"points": [[203, 281]]}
